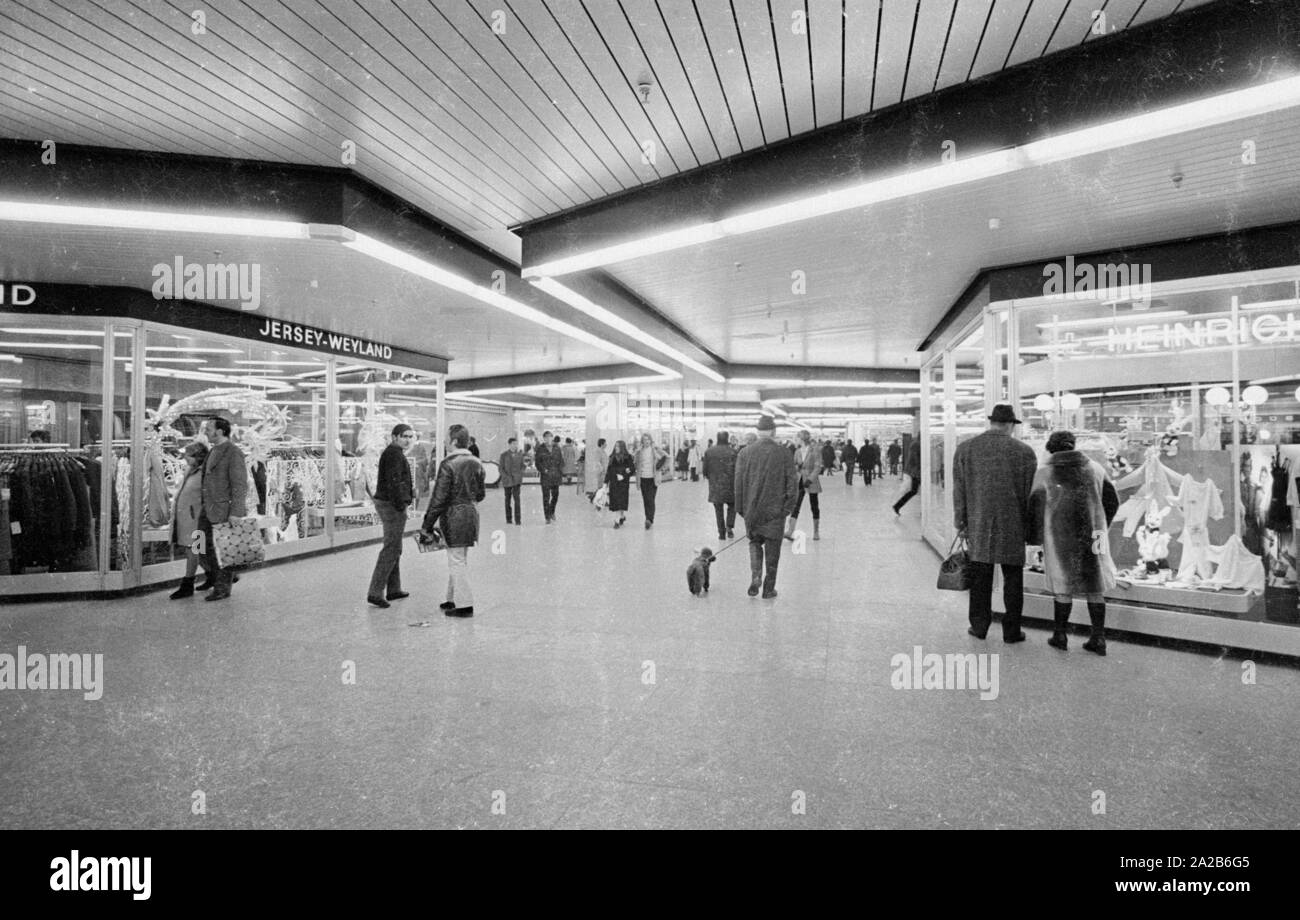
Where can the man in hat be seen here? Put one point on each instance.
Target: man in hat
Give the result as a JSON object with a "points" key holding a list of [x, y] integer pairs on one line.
{"points": [[393, 495], [766, 486], [993, 476]]}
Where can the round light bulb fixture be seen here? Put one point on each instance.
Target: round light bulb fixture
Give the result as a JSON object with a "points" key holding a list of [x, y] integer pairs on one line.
{"points": [[1043, 402], [1265, 434], [1070, 402], [1217, 396], [1255, 395]]}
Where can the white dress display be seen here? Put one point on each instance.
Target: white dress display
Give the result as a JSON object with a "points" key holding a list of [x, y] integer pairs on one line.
{"points": [[1157, 483], [1199, 502]]}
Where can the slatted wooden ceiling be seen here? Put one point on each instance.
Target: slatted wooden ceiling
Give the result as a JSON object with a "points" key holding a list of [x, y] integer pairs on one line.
{"points": [[485, 128]]}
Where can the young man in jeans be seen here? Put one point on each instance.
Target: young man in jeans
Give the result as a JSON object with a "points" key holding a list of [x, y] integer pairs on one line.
{"points": [[512, 477], [393, 495], [647, 462]]}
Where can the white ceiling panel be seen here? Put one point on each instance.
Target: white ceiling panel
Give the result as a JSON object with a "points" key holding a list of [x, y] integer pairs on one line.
{"points": [[964, 40], [1000, 33], [878, 280]]}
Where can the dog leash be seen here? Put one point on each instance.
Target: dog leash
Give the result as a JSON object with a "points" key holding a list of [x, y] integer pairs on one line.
{"points": [[728, 546]]}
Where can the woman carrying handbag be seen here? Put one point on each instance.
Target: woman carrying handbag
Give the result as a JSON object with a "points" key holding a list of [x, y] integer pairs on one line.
{"points": [[452, 513]]}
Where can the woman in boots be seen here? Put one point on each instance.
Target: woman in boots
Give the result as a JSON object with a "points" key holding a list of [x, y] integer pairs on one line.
{"points": [[185, 517], [1071, 507]]}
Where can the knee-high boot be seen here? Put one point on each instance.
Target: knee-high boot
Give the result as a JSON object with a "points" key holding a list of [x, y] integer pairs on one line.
{"points": [[1061, 614], [1097, 642], [755, 568]]}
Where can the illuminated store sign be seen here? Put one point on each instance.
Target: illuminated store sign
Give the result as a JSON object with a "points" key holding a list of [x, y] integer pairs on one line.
{"points": [[1265, 329]]}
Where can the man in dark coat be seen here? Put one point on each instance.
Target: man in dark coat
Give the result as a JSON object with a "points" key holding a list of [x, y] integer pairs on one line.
{"points": [[512, 477], [224, 490], [993, 478], [550, 466], [850, 458], [828, 457], [393, 495], [720, 471], [912, 470], [895, 454], [766, 486]]}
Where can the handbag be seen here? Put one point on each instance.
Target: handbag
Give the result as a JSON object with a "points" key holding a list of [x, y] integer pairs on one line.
{"points": [[954, 572], [429, 541], [238, 541]]}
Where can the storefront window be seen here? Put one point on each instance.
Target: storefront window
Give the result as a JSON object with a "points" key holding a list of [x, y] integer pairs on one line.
{"points": [[275, 401], [1189, 397], [52, 434]]}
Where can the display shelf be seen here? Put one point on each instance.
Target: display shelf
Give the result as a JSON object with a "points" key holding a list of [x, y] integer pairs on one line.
{"points": [[1229, 601]]}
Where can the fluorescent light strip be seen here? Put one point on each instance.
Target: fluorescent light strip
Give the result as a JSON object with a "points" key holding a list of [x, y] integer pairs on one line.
{"points": [[584, 305], [779, 382], [562, 386], [155, 359], [57, 346], [345, 369], [1178, 119], [9, 380], [417, 266], [125, 219], [502, 402], [187, 349], [274, 363], [14, 358], [276, 385], [1107, 320], [23, 330]]}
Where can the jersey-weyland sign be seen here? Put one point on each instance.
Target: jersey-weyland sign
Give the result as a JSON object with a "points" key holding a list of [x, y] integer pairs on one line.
{"points": [[104, 302]]}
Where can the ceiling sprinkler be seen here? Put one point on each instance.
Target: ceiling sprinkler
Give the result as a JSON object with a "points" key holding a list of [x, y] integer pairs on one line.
{"points": [[644, 88]]}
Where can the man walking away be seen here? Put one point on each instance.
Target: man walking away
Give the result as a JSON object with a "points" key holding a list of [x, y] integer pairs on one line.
{"points": [[912, 470], [895, 454], [850, 459], [393, 495], [550, 466], [720, 471], [993, 478], [766, 486], [512, 477]]}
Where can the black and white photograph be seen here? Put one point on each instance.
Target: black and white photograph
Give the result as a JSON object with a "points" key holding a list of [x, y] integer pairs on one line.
{"points": [[651, 415]]}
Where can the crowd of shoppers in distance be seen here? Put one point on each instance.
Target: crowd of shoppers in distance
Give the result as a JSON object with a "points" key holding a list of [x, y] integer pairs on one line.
{"points": [[1003, 502]]}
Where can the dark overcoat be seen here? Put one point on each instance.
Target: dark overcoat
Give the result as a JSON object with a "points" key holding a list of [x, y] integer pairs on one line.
{"points": [[993, 474], [720, 471], [618, 477], [767, 486]]}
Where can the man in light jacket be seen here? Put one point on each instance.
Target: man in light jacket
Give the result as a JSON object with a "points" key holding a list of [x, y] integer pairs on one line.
{"points": [[808, 458], [993, 477], [647, 459], [224, 490], [512, 477], [766, 486]]}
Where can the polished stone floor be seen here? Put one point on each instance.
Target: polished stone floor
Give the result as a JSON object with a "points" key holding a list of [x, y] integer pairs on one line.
{"points": [[590, 690]]}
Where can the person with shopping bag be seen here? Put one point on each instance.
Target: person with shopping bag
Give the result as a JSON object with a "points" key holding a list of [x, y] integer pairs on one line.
{"points": [[459, 487], [224, 492], [619, 473]]}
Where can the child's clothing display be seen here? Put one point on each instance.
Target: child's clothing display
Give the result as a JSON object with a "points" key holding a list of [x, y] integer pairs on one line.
{"points": [[1199, 502]]}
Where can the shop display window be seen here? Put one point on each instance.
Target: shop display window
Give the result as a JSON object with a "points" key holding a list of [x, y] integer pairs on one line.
{"points": [[371, 401], [55, 436], [1189, 397], [276, 403]]}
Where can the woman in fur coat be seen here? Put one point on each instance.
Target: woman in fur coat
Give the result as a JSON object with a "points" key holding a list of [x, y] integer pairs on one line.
{"points": [[1072, 505]]}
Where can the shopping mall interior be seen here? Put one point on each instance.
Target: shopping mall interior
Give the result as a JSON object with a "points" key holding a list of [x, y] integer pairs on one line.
{"points": [[857, 225]]}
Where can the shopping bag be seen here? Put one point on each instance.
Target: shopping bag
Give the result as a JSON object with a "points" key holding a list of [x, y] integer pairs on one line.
{"points": [[429, 541], [954, 573], [601, 499], [238, 541]]}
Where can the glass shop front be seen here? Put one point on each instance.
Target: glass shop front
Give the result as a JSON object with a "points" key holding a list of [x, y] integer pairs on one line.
{"points": [[1188, 394], [96, 412]]}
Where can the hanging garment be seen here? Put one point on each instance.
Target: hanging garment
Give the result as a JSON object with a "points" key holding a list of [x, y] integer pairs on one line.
{"points": [[157, 500], [1279, 512], [1199, 502], [1156, 482], [1238, 567]]}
